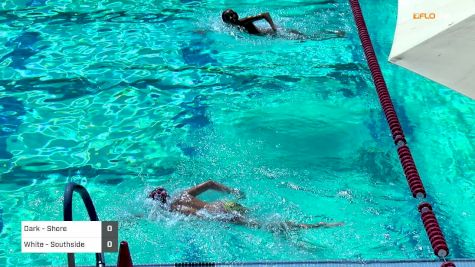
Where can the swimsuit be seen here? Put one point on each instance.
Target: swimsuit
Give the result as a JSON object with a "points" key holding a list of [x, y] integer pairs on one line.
{"points": [[231, 207]]}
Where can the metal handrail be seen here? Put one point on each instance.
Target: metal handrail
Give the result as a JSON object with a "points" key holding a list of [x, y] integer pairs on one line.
{"points": [[68, 216]]}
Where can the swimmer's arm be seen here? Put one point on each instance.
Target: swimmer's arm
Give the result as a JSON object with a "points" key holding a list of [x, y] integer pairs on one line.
{"points": [[265, 16], [195, 191], [270, 21]]}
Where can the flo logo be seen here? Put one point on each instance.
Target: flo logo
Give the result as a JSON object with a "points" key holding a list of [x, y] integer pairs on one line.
{"points": [[423, 15]]}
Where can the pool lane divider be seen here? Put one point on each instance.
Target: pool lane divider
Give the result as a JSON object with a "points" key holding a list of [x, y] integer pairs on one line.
{"points": [[123, 258], [431, 224]]}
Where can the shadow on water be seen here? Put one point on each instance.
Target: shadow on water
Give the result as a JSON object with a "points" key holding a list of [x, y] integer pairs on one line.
{"points": [[61, 89], [33, 3], [187, 150], [227, 79], [23, 49], [21, 176], [193, 114], [380, 164], [152, 82], [196, 54], [406, 123], [190, 1], [457, 245], [349, 75], [1, 220], [193, 252], [69, 18], [11, 110], [198, 51], [378, 127]]}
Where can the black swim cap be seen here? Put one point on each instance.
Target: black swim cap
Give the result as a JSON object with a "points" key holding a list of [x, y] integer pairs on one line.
{"points": [[159, 193], [230, 16]]}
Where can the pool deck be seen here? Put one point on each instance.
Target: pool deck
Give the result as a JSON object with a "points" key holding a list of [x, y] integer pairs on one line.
{"points": [[393, 263]]}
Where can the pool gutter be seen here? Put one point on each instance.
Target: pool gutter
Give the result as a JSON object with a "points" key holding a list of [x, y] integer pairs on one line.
{"points": [[342, 263]]}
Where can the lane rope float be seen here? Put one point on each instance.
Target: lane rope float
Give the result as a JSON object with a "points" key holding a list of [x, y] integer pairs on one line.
{"points": [[413, 178]]}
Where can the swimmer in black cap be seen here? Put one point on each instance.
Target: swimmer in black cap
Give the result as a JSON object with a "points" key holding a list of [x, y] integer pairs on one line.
{"points": [[231, 17], [187, 203]]}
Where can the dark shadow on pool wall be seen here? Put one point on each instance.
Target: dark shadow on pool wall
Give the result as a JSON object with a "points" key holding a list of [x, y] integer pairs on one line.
{"points": [[23, 49], [61, 89], [10, 121]]}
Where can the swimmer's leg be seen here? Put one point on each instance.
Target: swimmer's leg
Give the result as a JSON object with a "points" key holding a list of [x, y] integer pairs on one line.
{"points": [[286, 33], [296, 32], [246, 222], [312, 226], [283, 226], [295, 35], [336, 33], [270, 32], [327, 35]]}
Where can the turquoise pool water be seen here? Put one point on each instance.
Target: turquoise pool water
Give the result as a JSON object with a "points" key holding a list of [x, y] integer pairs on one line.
{"points": [[124, 96]]}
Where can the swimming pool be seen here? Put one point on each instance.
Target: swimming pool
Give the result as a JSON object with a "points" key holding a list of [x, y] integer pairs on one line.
{"points": [[125, 96]]}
